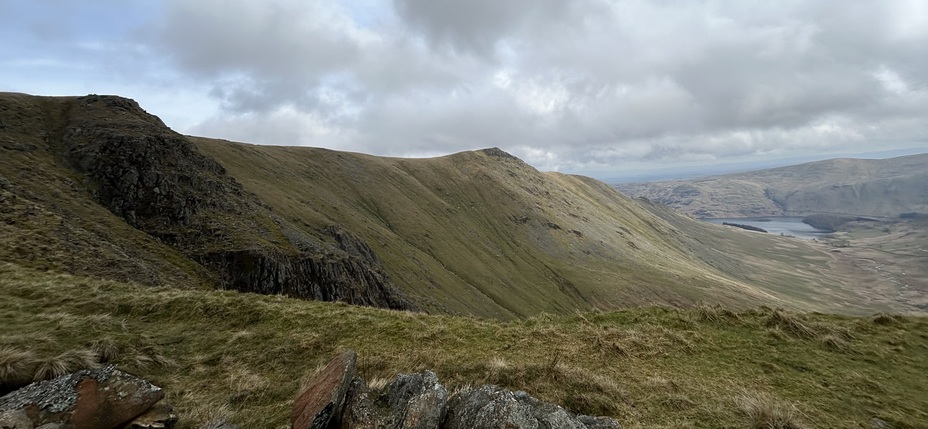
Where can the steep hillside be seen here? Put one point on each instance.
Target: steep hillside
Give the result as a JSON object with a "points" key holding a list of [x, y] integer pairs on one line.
{"points": [[863, 187], [96, 186], [481, 230]]}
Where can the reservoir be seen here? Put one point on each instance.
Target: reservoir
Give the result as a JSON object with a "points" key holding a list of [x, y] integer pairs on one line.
{"points": [[776, 225]]}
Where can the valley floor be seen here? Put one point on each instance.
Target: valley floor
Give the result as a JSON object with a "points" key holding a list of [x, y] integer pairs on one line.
{"points": [[894, 253], [244, 356]]}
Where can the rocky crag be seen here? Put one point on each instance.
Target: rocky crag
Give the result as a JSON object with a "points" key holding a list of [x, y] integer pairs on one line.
{"points": [[157, 182]]}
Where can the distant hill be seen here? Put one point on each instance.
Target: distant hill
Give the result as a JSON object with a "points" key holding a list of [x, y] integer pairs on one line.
{"points": [[97, 187], [862, 187]]}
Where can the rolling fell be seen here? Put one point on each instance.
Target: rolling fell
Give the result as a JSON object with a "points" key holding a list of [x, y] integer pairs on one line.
{"points": [[96, 186], [860, 187]]}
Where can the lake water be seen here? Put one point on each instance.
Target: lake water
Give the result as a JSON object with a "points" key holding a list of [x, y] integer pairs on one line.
{"points": [[776, 225]]}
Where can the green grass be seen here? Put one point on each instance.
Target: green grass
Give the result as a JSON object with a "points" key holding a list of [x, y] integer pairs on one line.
{"points": [[475, 233], [244, 356]]}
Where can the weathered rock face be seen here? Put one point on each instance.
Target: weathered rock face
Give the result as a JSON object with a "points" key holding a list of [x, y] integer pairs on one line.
{"points": [[320, 405], [494, 407], [324, 277], [146, 173], [419, 401], [159, 183], [90, 399], [414, 401]]}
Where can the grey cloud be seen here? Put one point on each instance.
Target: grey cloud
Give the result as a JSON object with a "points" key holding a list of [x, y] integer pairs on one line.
{"points": [[477, 26], [572, 85]]}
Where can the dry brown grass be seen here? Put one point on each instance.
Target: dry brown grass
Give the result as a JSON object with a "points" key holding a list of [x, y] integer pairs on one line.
{"points": [[763, 412], [651, 367], [64, 363], [17, 367], [791, 323], [715, 313], [106, 349]]}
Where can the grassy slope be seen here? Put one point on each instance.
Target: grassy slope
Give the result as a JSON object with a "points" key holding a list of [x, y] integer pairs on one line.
{"points": [[477, 233], [473, 233], [650, 367]]}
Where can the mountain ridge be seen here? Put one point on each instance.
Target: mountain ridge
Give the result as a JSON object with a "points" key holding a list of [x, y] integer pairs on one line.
{"points": [[96, 186]]}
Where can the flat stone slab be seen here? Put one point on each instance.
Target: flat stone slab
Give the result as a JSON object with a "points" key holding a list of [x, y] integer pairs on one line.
{"points": [[102, 398]]}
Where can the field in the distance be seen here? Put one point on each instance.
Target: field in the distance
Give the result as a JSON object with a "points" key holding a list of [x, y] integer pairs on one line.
{"points": [[244, 356]]}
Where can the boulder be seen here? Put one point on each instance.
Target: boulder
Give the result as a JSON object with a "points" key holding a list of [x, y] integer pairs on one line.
{"points": [[414, 401], [320, 405], [360, 412], [102, 398], [493, 407], [418, 401]]}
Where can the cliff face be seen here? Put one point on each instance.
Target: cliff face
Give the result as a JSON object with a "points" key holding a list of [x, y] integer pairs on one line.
{"points": [[158, 182]]}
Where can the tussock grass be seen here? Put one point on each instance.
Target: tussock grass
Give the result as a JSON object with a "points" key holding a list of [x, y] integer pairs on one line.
{"points": [[106, 349], [377, 384], [17, 367], [762, 412], [885, 319], [715, 313], [791, 323], [66, 362], [243, 357]]}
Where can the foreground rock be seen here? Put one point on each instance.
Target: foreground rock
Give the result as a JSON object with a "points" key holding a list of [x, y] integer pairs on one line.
{"points": [[338, 398], [415, 401], [494, 407], [319, 405], [102, 398]]}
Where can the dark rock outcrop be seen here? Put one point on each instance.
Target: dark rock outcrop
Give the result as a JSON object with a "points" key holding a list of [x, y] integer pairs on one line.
{"points": [[419, 401], [414, 401], [161, 184], [320, 405], [325, 277], [102, 398], [494, 407]]}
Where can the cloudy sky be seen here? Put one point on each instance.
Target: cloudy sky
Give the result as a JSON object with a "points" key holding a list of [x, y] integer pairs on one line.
{"points": [[608, 88]]}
